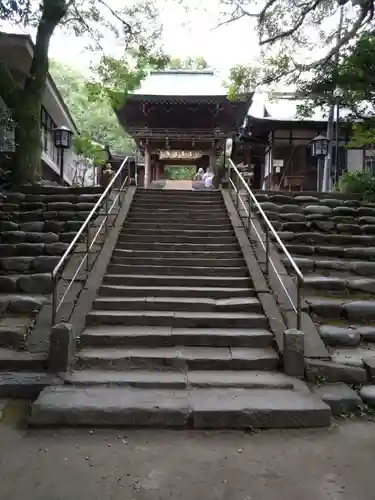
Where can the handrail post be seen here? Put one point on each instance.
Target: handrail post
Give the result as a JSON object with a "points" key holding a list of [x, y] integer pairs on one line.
{"points": [[54, 298], [299, 300], [249, 218], [106, 212], [267, 249], [88, 247], [237, 192]]}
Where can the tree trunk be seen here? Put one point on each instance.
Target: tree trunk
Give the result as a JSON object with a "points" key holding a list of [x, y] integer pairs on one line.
{"points": [[26, 112]]}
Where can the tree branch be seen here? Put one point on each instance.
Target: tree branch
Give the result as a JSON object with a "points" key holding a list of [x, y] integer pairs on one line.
{"points": [[117, 16]]}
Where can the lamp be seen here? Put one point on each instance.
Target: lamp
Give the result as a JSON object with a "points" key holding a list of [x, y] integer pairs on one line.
{"points": [[319, 150], [62, 137]]}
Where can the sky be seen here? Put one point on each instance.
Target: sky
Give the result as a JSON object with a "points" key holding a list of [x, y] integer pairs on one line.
{"points": [[185, 34]]}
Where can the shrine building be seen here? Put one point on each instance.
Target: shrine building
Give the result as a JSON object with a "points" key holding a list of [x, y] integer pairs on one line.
{"points": [[180, 117]]}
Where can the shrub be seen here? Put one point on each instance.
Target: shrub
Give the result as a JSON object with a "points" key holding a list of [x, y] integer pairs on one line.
{"points": [[361, 183]]}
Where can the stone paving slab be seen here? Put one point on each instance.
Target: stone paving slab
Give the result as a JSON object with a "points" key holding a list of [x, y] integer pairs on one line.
{"points": [[199, 408], [340, 397]]}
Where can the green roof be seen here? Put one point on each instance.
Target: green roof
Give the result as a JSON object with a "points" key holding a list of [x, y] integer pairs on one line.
{"points": [[187, 83]]}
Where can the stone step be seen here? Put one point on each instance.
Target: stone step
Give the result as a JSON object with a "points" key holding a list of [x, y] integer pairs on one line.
{"points": [[26, 384], [173, 222], [174, 291], [17, 361], [156, 211], [191, 206], [161, 232], [73, 198], [40, 215], [178, 358], [241, 304], [174, 201], [189, 280], [177, 224], [42, 226], [180, 319], [143, 379], [197, 408], [322, 251], [153, 254], [352, 310], [179, 193], [47, 190], [14, 330], [48, 205], [178, 270], [30, 264], [167, 336], [339, 283], [175, 261], [173, 246], [328, 239], [346, 336], [183, 237], [204, 218], [32, 249], [21, 304], [359, 267], [16, 237]]}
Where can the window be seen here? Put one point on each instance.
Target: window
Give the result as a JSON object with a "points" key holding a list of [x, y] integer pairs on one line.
{"points": [[369, 163]]}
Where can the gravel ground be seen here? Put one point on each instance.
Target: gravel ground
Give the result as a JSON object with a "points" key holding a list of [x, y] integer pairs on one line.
{"points": [[331, 464]]}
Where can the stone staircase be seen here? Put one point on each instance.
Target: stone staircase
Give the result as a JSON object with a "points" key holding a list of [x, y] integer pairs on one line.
{"points": [[332, 239], [177, 336], [36, 226]]}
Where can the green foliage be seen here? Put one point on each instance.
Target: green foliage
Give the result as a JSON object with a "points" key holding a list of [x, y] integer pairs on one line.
{"points": [[361, 183], [179, 173], [114, 79], [197, 63], [242, 80], [95, 119]]}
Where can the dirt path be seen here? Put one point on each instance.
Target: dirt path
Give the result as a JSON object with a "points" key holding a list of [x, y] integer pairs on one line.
{"points": [[334, 464]]}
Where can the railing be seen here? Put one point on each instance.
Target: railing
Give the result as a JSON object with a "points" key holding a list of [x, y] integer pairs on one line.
{"points": [[252, 202], [85, 231]]}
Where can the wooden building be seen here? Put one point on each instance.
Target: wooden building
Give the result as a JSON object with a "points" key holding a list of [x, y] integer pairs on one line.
{"points": [[277, 146], [180, 117]]}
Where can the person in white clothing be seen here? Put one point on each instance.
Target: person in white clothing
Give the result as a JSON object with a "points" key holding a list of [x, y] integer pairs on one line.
{"points": [[208, 177], [199, 175]]}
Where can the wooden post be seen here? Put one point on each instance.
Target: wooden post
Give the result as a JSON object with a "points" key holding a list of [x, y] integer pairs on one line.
{"points": [[147, 175]]}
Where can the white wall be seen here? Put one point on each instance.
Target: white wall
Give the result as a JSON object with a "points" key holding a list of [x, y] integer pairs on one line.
{"points": [[354, 160]]}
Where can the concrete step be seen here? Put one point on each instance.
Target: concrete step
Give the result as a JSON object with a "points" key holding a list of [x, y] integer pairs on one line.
{"points": [[180, 254], [173, 246], [189, 280], [169, 261], [213, 231], [199, 217], [175, 380], [167, 336], [183, 238], [241, 304], [178, 270], [198, 408], [181, 319], [174, 291], [25, 384], [153, 226], [16, 361], [177, 219], [156, 211], [181, 206], [178, 358]]}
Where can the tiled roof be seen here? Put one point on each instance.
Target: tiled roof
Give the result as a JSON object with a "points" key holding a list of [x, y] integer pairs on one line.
{"points": [[182, 83]]}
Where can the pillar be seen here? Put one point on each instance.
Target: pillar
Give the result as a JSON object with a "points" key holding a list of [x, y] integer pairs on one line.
{"points": [[146, 182], [213, 159]]}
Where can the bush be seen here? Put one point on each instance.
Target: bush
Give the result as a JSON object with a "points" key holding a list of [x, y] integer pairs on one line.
{"points": [[361, 183]]}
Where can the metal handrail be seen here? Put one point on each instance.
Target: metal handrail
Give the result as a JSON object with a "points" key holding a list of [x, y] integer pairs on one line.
{"points": [[85, 229], [252, 201]]}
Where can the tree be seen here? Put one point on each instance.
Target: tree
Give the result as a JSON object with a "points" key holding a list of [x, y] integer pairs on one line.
{"points": [[302, 34], [135, 24], [197, 63], [354, 76], [95, 119], [242, 80]]}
